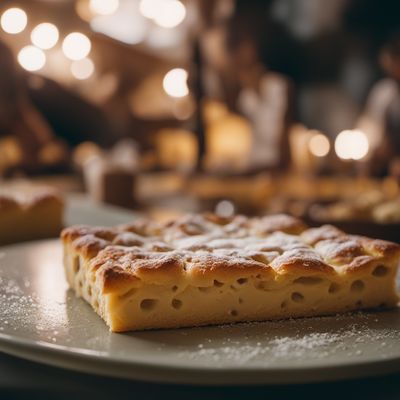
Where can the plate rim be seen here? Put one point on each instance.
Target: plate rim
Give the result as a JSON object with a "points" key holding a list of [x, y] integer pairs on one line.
{"points": [[92, 361], [84, 361]]}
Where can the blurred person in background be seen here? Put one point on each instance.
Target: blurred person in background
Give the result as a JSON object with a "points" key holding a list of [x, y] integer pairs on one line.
{"points": [[381, 117], [39, 120], [263, 95], [23, 130], [244, 48]]}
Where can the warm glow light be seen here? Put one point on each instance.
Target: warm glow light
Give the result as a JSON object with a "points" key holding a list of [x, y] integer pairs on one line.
{"points": [[14, 20], [170, 14], [351, 145], [82, 69], [45, 36], [76, 46], [319, 145], [57, 66], [149, 8], [104, 7], [31, 58], [165, 13], [175, 83], [162, 37], [126, 24], [225, 208]]}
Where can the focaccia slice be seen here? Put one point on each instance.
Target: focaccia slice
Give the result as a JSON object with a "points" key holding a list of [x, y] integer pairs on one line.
{"points": [[203, 269]]}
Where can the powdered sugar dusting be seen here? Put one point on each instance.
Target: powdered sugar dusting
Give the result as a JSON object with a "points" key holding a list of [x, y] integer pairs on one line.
{"points": [[284, 346], [298, 342], [13, 301], [15, 305]]}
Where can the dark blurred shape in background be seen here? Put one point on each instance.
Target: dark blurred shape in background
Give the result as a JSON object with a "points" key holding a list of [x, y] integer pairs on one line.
{"points": [[224, 97]]}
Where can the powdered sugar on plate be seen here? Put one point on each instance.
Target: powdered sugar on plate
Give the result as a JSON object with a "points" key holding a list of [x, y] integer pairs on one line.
{"points": [[300, 341]]}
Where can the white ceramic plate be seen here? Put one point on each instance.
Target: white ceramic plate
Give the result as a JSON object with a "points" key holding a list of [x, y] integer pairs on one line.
{"points": [[41, 320]]}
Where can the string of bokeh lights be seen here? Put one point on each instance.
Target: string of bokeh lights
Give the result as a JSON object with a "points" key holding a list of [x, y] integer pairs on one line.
{"points": [[167, 14], [76, 46], [349, 145]]}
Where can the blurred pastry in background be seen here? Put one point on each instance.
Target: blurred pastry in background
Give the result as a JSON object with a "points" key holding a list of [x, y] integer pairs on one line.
{"points": [[357, 208], [387, 212], [29, 212], [373, 207]]}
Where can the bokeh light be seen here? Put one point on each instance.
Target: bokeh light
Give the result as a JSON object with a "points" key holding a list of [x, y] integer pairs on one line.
{"points": [[351, 145], [170, 14], [76, 46], [319, 145], [225, 208], [175, 82], [165, 13], [31, 58], [126, 25], [103, 7], [14, 20], [82, 69], [149, 8], [45, 35]]}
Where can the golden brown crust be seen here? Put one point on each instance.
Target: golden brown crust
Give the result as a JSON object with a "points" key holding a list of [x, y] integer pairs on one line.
{"points": [[115, 278], [45, 198], [225, 268], [7, 203], [280, 222], [207, 247], [325, 232], [27, 196], [305, 260], [141, 226]]}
